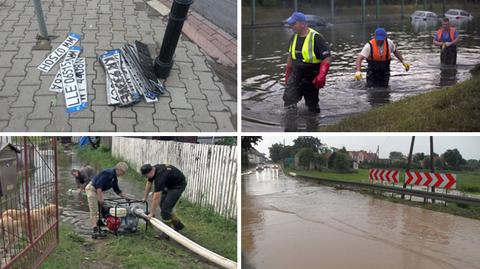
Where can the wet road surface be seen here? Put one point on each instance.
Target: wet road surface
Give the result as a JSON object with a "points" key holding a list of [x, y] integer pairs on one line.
{"points": [[295, 223], [264, 54]]}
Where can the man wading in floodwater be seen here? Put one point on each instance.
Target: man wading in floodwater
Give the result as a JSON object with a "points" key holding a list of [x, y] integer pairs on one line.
{"points": [[447, 38], [307, 65], [378, 54]]}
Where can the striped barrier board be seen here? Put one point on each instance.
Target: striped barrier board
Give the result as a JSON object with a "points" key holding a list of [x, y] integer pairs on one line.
{"points": [[384, 175], [428, 179]]}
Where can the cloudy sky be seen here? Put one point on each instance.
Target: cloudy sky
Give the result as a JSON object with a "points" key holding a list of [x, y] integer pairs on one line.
{"points": [[469, 146]]}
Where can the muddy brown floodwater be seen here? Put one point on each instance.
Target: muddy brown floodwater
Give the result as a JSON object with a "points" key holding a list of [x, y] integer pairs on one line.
{"points": [[75, 207], [294, 223]]}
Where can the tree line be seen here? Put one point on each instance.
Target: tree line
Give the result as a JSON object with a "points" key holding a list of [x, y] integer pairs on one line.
{"points": [[312, 154]]}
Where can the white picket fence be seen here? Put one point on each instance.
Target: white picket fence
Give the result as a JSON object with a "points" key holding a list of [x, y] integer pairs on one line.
{"points": [[211, 170]]}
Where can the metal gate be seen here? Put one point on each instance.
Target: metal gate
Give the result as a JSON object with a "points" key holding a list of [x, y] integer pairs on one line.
{"points": [[28, 201]]}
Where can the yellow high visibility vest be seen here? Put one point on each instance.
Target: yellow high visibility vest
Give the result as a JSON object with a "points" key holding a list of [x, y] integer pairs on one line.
{"points": [[308, 52]]}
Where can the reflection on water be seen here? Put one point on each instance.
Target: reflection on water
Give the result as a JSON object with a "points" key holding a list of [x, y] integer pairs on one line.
{"points": [[293, 223], [264, 53]]}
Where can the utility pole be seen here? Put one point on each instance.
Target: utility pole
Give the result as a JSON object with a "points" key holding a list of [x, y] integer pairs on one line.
{"points": [[332, 9], [40, 19], [363, 10], [409, 161], [402, 9], [432, 165], [253, 12]]}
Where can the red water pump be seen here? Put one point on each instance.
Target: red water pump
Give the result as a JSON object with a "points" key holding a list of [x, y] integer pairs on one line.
{"points": [[113, 223]]}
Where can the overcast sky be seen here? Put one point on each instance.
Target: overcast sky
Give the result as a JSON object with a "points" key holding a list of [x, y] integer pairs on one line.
{"points": [[469, 146]]}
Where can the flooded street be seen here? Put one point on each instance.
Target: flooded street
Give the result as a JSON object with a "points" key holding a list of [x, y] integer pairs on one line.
{"points": [[295, 223], [75, 206], [264, 54]]}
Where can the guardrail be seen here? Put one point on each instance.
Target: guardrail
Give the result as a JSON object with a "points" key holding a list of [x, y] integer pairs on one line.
{"points": [[417, 193]]}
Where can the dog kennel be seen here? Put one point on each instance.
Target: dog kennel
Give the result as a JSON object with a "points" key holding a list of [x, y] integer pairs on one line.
{"points": [[28, 201]]}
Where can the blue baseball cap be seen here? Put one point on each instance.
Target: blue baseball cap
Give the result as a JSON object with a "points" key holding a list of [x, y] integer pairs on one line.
{"points": [[380, 34], [296, 16]]}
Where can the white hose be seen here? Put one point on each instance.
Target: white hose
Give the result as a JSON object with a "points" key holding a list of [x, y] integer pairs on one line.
{"points": [[207, 254]]}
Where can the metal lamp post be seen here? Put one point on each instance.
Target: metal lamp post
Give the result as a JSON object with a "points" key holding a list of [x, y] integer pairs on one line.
{"points": [[40, 19], [178, 15]]}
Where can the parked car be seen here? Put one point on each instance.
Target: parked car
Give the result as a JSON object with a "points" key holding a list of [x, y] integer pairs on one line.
{"points": [[312, 21], [423, 16], [458, 14]]}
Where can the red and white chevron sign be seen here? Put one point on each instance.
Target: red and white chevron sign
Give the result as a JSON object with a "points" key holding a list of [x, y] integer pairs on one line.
{"points": [[439, 180], [384, 175]]}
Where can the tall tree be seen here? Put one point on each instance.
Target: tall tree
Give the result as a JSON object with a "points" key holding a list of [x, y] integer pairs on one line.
{"points": [[453, 158], [417, 157], [249, 141], [308, 142], [396, 155], [276, 152], [305, 157], [341, 162]]}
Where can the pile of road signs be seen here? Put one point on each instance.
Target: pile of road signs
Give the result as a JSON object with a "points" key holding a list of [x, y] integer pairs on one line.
{"points": [[427, 179], [129, 75], [384, 175], [71, 77]]}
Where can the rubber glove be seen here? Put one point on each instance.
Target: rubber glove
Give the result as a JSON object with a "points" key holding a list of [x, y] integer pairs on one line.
{"points": [[321, 78], [406, 66], [358, 75], [288, 71]]}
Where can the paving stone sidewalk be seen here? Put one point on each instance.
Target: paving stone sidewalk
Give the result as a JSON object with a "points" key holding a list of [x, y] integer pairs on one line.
{"points": [[196, 98]]}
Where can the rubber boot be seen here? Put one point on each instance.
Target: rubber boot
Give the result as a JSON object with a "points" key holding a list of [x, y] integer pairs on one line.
{"points": [[95, 233], [101, 233], [100, 223], [177, 224], [315, 109]]}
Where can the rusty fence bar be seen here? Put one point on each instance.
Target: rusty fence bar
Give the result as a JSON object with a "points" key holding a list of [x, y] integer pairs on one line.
{"points": [[29, 209]]}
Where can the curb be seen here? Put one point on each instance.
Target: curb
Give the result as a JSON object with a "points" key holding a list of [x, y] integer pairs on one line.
{"points": [[217, 43]]}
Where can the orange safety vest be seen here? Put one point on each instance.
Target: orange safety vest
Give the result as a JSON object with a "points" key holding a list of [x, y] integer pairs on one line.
{"points": [[375, 52], [440, 34]]}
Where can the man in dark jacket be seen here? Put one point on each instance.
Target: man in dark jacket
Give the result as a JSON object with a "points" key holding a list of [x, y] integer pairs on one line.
{"points": [[169, 184]]}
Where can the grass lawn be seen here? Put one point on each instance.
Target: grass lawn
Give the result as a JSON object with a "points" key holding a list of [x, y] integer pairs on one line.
{"points": [[450, 109], [466, 181], [141, 250]]}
